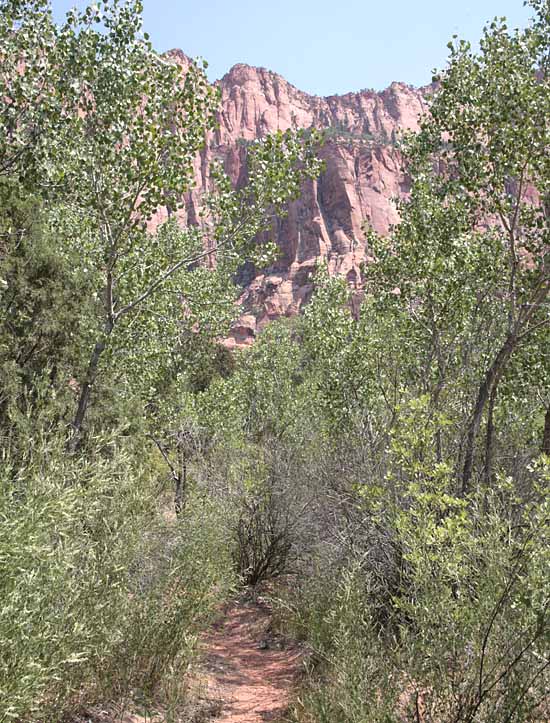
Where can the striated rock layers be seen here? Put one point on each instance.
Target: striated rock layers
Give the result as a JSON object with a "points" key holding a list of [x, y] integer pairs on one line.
{"points": [[363, 174]]}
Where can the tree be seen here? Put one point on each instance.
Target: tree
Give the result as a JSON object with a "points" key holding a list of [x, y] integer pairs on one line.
{"points": [[129, 127], [475, 238], [499, 139]]}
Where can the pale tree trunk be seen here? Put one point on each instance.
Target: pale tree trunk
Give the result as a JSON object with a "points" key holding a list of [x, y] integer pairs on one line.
{"points": [[178, 470], [183, 441], [181, 488]]}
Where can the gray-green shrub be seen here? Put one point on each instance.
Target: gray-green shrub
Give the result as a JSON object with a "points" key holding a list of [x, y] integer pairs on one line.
{"points": [[466, 633], [102, 593]]}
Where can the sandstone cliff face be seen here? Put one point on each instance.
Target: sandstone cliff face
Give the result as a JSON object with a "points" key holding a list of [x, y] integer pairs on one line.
{"points": [[362, 176]]}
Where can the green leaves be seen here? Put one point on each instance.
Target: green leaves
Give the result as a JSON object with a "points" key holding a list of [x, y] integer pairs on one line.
{"points": [[30, 69], [113, 139], [467, 268]]}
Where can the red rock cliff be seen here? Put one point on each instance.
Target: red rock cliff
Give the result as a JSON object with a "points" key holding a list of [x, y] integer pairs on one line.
{"points": [[363, 174]]}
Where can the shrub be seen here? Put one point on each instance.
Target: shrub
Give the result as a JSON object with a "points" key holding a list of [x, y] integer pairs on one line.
{"points": [[466, 631], [102, 593]]}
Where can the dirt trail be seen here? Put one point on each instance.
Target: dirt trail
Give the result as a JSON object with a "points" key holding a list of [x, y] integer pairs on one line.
{"points": [[249, 671]]}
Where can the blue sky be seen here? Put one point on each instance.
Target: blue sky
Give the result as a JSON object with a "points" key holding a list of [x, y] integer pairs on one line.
{"points": [[321, 46]]}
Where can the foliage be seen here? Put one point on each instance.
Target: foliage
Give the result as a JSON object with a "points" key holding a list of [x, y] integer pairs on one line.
{"points": [[468, 622], [110, 327], [30, 72], [396, 447], [101, 594], [438, 489]]}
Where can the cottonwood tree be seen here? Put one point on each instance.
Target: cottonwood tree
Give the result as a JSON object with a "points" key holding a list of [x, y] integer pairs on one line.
{"points": [[133, 124], [475, 239]]}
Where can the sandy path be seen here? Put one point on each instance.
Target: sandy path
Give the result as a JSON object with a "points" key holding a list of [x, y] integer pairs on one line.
{"points": [[249, 671]]}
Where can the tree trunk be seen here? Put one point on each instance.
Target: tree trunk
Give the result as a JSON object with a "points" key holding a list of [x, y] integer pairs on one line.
{"points": [[485, 390], [85, 393], [181, 485], [546, 434], [437, 436], [490, 436]]}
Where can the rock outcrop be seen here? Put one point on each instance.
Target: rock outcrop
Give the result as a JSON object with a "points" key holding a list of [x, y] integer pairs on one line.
{"points": [[362, 177]]}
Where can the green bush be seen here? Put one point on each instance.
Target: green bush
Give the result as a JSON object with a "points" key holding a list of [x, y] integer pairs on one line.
{"points": [[102, 592], [467, 627]]}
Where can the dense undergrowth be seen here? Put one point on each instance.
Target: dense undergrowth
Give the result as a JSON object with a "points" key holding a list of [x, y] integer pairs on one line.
{"points": [[415, 601], [103, 592], [388, 452]]}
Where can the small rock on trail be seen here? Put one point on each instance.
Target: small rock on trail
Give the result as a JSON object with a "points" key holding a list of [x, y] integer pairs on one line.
{"points": [[250, 672]]}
